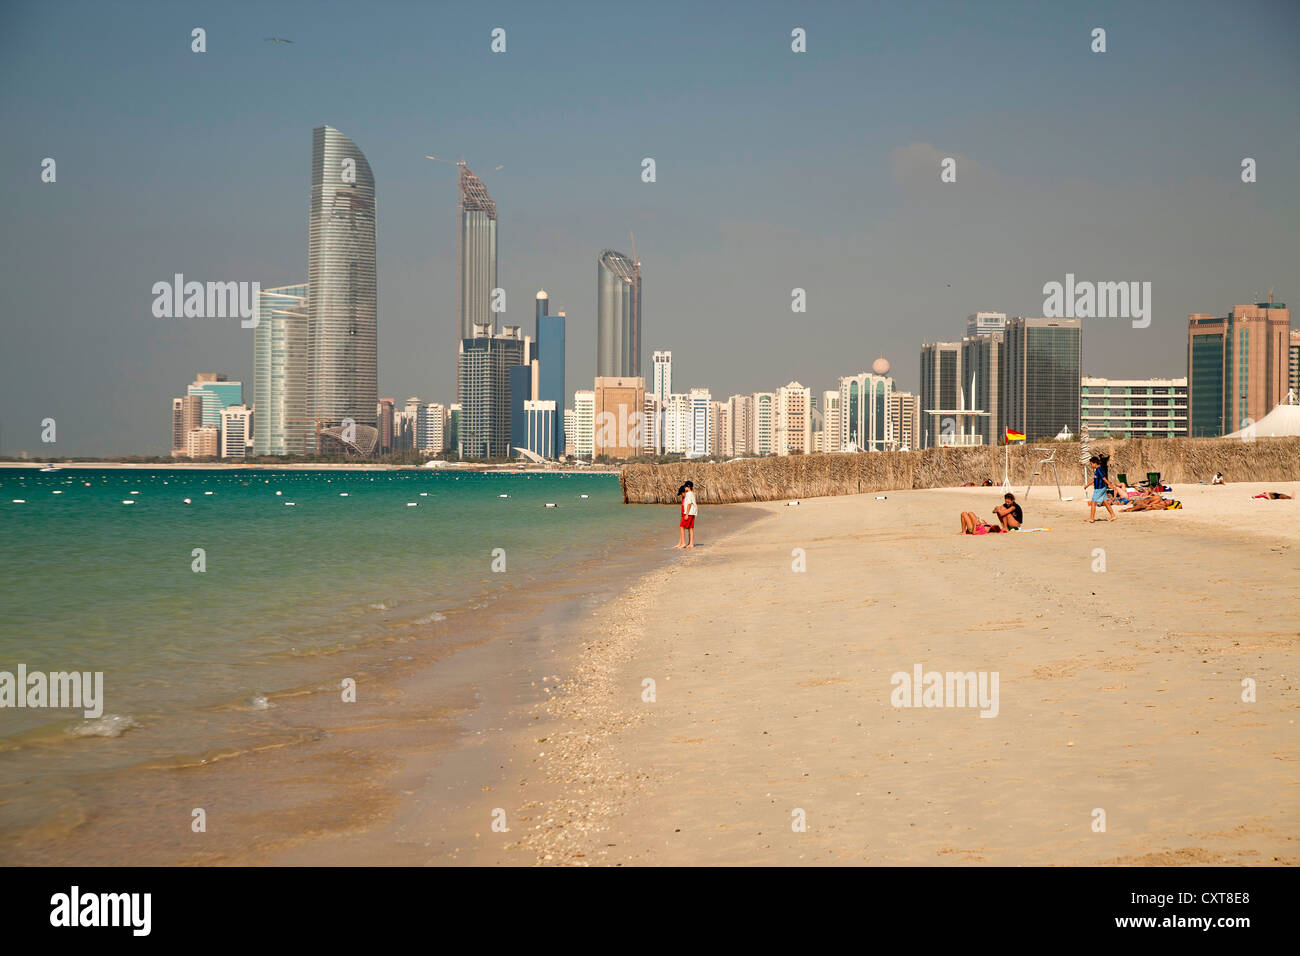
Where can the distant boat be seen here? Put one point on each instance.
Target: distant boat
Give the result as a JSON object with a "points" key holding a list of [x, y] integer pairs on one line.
{"points": [[52, 468]]}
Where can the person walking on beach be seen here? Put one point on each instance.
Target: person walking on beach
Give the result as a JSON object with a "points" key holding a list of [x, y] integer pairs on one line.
{"points": [[687, 493], [1101, 486]]}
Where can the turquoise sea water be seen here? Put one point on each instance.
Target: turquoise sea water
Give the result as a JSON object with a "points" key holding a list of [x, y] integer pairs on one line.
{"points": [[92, 584]]}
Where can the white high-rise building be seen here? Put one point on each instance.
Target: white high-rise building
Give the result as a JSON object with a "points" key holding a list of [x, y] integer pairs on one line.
{"points": [[654, 430], [865, 401], [584, 422], [720, 435], [432, 430], [982, 323], [236, 421], [662, 384], [701, 408], [677, 424], [793, 419], [570, 423], [764, 420], [832, 431], [740, 417]]}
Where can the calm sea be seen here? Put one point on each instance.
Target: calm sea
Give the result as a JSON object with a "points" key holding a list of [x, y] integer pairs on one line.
{"points": [[302, 571]]}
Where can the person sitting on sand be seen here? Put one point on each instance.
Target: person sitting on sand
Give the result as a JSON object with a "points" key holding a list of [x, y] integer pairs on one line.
{"points": [[971, 524], [1217, 479], [1009, 514]]}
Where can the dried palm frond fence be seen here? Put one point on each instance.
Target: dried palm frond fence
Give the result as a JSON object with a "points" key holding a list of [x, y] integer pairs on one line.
{"points": [[811, 476]]}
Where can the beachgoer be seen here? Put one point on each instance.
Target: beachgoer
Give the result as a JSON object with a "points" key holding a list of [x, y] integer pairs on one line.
{"points": [[687, 493], [971, 523], [1101, 486], [1272, 495], [1217, 479], [1152, 501], [1009, 513]]}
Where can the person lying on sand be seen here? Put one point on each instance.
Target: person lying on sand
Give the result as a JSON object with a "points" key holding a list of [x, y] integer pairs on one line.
{"points": [[1153, 501], [971, 524], [1272, 495], [1009, 513]]}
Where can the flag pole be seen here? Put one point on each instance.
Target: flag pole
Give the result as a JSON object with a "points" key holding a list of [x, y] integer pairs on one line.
{"points": [[1006, 463]]}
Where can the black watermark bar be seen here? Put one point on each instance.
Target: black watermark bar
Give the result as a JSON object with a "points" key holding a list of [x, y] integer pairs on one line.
{"points": [[307, 906]]}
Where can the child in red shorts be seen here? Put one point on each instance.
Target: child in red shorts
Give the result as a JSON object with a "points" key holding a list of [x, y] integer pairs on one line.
{"points": [[687, 493]]}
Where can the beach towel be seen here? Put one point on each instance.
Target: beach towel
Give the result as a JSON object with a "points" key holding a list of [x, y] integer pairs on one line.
{"points": [[1028, 530]]}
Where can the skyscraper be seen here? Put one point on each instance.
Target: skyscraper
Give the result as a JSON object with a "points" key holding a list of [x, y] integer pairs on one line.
{"points": [[1293, 380], [905, 416], [280, 368], [550, 375], [982, 323], [235, 423], [741, 416], [342, 305], [216, 393], [863, 414], [764, 422], [476, 276], [701, 405], [618, 426], [793, 419], [584, 416], [982, 359], [618, 316], [948, 416], [1237, 366], [832, 426], [1040, 393], [483, 390]]}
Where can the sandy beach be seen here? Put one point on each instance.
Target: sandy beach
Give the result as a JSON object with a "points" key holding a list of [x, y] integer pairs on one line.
{"points": [[1121, 735]]}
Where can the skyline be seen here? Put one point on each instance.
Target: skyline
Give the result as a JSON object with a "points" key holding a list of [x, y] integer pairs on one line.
{"points": [[773, 173]]}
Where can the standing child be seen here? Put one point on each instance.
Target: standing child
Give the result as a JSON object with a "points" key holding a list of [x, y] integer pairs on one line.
{"points": [[687, 493], [1101, 485]]}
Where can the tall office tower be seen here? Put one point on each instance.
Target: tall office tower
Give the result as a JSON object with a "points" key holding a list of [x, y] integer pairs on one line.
{"points": [[236, 420], [483, 390], [453, 427], [741, 417], [720, 429], [584, 417], [216, 393], [433, 427], [832, 426], [543, 307], [677, 424], [1040, 389], [982, 357], [864, 402], [618, 316], [654, 419], [618, 428], [203, 442], [764, 419], [569, 424], [1134, 408], [384, 422], [343, 339], [178, 426], [940, 386], [412, 410], [280, 373], [191, 417], [905, 416], [663, 376], [793, 419], [477, 254], [550, 358], [701, 405], [983, 323], [1237, 366], [1293, 380], [520, 382], [405, 425]]}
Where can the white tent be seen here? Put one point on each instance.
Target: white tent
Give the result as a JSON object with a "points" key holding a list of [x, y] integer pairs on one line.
{"points": [[1282, 422]]}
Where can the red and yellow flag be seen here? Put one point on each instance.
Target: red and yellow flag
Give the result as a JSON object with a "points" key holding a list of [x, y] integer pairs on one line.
{"points": [[1013, 435]]}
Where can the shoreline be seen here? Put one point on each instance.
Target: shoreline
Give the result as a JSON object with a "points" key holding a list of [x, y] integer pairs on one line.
{"points": [[1120, 692], [502, 469]]}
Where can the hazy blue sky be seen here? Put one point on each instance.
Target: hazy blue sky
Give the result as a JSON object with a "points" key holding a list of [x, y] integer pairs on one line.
{"points": [[775, 170]]}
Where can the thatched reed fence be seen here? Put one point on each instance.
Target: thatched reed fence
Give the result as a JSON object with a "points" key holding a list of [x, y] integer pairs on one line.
{"points": [[811, 476]]}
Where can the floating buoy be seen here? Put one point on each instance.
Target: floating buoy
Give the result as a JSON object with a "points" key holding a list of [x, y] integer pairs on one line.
{"points": [[187, 501], [209, 492], [135, 492], [128, 501], [586, 496], [503, 496], [279, 492], [551, 504], [57, 492], [20, 501], [289, 504], [343, 494], [412, 504]]}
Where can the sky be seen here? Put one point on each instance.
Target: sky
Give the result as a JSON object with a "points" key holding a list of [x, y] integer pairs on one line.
{"points": [[775, 170]]}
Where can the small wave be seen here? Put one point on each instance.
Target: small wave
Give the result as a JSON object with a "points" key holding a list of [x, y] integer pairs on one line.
{"points": [[433, 618], [381, 606], [260, 702], [110, 725]]}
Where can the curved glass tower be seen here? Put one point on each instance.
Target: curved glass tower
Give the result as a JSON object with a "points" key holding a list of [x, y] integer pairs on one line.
{"points": [[618, 316], [477, 275], [342, 328]]}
